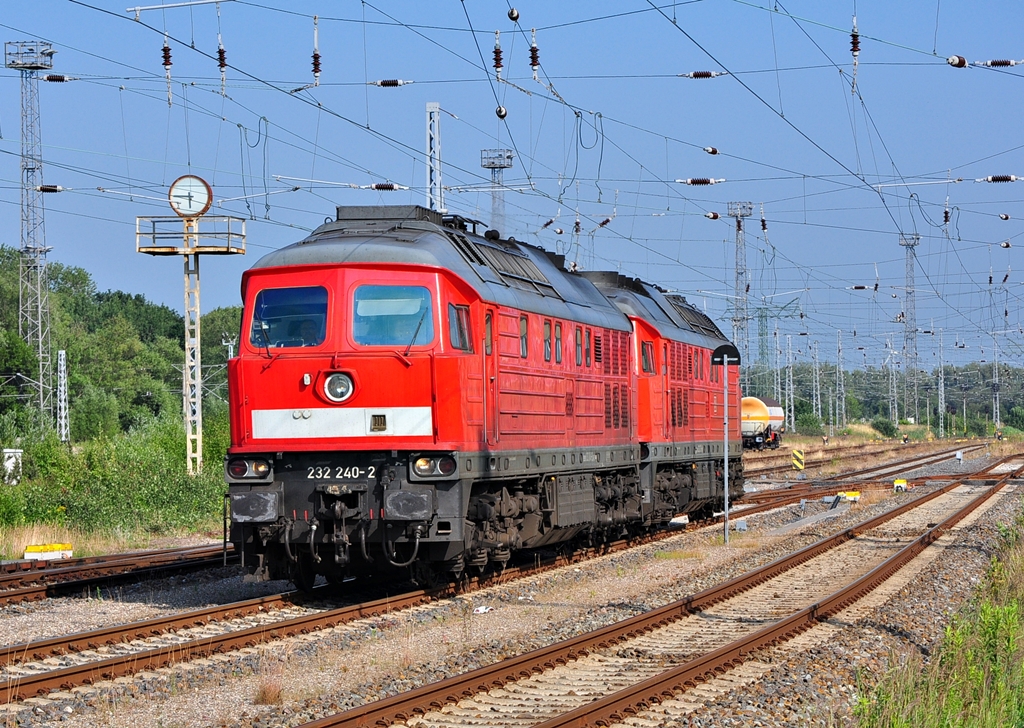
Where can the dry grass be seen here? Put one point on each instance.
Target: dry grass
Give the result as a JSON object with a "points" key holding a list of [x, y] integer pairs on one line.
{"points": [[14, 539], [270, 687]]}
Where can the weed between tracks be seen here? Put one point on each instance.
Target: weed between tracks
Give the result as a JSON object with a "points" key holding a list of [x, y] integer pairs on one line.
{"points": [[975, 677]]}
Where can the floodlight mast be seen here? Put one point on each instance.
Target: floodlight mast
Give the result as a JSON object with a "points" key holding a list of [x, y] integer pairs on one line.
{"points": [[190, 197]]}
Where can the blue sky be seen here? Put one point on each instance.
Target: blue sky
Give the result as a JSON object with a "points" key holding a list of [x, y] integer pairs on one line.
{"points": [[603, 133]]}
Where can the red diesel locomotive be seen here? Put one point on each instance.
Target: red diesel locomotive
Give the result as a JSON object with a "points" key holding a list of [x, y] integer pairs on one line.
{"points": [[408, 393]]}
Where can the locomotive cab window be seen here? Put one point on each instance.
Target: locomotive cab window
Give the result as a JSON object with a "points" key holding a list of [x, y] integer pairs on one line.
{"points": [[558, 343], [488, 347], [392, 316], [579, 347], [524, 339], [647, 357], [458, 327], [547, 340], [587, 350], [289, 317]]}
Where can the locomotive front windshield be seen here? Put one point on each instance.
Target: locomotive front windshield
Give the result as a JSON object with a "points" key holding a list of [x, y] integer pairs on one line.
{"points": [[392, 316], [285, 317]]}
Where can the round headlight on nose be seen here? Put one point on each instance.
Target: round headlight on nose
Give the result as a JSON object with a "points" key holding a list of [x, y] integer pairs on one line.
{"points": [[338, 387], [424, 466]]}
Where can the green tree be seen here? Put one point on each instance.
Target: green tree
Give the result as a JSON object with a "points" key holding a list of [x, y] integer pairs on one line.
{"points": [[885, 427], [808, 423], [15, 358]]}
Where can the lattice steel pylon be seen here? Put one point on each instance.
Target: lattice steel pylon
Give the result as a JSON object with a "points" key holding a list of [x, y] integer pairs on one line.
{"points": [[497, 160], [33, 298], [435, 192], [63, 423], [910, 242], [740, 210]]}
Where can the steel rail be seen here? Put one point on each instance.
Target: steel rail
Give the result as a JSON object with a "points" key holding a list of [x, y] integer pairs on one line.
{"points": [[30, 586], [434, 696]]}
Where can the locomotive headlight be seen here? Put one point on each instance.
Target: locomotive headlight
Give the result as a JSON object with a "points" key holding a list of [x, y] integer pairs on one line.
{"points": [[424, 466], [338, 387], [446, 465], [242, 468], [260, 468], [238, 468]]}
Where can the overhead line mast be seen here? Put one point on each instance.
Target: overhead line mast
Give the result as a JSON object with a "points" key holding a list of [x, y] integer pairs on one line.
{"points": [[29, 57]]}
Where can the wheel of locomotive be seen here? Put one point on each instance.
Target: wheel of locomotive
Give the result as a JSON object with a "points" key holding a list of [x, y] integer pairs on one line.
{"points": [[304, 571]]}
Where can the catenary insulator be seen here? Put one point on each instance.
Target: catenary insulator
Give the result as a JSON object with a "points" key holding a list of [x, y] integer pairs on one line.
{"points": [[49, 188], [316, 50], [1003, 216], [764, 225], [957, 61], [383, 186], [712, 215], [547, 224], [860, 288], [497, 54], [316, 64], [534, 56], [1006, 63], [559, 231], [222, 58], [604, 222], [167, 55], [711, 150], [699, 181], [1004, 244], [56, 78], [703, 74], [501, 112], [513, 15], [945, 216], [999, 178], [389, 83], [855, 43]]}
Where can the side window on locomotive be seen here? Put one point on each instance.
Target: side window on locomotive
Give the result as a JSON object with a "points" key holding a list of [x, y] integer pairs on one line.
{"points": [[524, 339], [547, 340], [579, 347], [587, 350], [558, 343], [392, 316], [647, 356], [286, 317], [458, 327], [488, 347]]}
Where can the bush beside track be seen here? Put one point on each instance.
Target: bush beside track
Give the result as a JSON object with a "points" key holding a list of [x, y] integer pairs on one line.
{"points": [[128, 483]]}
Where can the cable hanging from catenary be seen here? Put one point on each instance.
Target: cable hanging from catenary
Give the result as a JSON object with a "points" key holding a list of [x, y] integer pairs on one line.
{"points": [[222, 56], [167, 70], [855, 50]]}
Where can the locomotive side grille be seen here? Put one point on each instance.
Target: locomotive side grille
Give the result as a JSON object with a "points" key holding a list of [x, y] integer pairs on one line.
{"points": [[672, 406], [599, 350], [615, 407], [624, 406], [607, 406], [686, 405], [689, 363], [623, 354]]}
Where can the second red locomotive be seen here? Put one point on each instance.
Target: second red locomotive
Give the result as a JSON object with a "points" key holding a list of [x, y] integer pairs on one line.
{"points": [[409, 393]]}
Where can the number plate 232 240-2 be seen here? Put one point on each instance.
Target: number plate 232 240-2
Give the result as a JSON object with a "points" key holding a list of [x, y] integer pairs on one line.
{"points": [[340, 472]]}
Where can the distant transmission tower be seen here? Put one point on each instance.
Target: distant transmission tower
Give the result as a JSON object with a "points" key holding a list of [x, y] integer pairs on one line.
{"points": [[910, 242], [497, 160], [740, 210], [840, 383], [816, 389], [33, 300], [942, 391], [63, 424]]}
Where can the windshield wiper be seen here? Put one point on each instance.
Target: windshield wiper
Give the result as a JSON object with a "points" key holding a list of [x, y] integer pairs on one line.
{"points": [[264, 339], [417, 331]]}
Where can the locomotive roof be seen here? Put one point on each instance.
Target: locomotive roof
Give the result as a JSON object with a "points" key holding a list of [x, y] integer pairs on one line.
{"points": [[506, 272], [673, 316]]}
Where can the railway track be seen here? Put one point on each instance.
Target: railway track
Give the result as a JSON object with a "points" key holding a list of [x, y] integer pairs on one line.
{"points": [[621, 670], [44, 666], [784, 464], [21, 582]]}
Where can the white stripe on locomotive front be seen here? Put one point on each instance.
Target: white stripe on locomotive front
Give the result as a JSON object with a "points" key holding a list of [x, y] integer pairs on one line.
{"points": [[297, 424]]}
